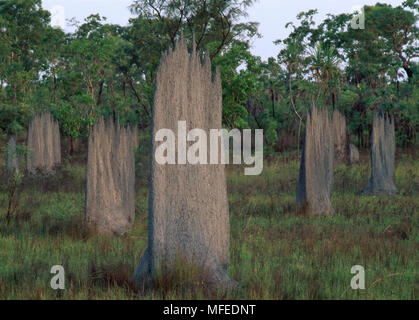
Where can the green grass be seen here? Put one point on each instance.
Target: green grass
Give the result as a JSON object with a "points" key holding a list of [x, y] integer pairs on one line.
{"points": [[276, 253]]}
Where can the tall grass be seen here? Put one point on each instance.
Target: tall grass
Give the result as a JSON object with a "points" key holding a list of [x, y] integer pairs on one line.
{"points": [[276, 253]]}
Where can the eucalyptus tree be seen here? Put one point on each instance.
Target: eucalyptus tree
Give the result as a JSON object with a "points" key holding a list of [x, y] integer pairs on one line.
{"points": [[215, 25], [23, 27]]}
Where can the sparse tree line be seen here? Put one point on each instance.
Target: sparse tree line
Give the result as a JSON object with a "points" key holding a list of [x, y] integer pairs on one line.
{"points": [[107, 70]]}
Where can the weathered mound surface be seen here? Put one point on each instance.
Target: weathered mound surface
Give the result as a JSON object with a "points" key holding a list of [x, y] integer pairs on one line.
{"points": [[110, 177], [383, 148], [315, 185], [188, 209]]}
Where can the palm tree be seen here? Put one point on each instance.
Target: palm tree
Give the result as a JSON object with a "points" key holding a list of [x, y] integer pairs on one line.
{"points": [[324, 65]]}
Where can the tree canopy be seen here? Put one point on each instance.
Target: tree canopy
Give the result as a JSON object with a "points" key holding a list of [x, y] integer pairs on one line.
{"points": [[102, 69]]}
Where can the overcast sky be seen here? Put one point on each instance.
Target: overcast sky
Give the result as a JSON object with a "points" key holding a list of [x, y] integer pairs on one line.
{"points": [[271, 14]]}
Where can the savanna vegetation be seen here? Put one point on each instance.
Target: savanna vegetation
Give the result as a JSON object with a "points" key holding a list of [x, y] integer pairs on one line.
{"points": [[105, 69], [275, 252], [109, 70]]}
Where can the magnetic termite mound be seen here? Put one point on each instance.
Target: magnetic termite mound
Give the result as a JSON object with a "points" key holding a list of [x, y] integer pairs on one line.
{"points": [[43, 144], [383, 148], [340, 137], [12, 160], [110, 177], [188, 206], [315, 184]]}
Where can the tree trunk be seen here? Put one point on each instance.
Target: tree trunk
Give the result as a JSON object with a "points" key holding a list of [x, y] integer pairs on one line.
{"points": [[273, 103], [72, 147]]}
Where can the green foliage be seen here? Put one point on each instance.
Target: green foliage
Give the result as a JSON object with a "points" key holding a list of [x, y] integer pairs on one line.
{"points": [[238, 84], [23, 26], [14, 119], [108, 70], [214, 23], [356, 71], [72, 121]]}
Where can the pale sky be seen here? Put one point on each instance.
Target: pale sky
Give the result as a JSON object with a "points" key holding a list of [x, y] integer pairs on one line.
{"points": [[271, 14]]}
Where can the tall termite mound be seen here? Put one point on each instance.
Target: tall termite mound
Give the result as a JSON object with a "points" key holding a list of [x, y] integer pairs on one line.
{"points": [[383, 148], [110, 177], [12, 161], [188, 207], [340, 137], [44, 144], [315, 185]]}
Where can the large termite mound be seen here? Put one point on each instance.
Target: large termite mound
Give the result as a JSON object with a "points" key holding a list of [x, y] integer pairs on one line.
{"points": [[188, 206], [383, 148], [315, 185], [110, 177], [44, 144]]}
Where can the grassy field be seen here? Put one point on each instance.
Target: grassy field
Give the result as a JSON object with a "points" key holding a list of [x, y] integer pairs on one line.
{"points": [[276, 253]]}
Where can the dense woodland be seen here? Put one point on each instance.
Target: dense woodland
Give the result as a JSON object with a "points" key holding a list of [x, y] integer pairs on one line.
{"points": [[110, 70]]}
